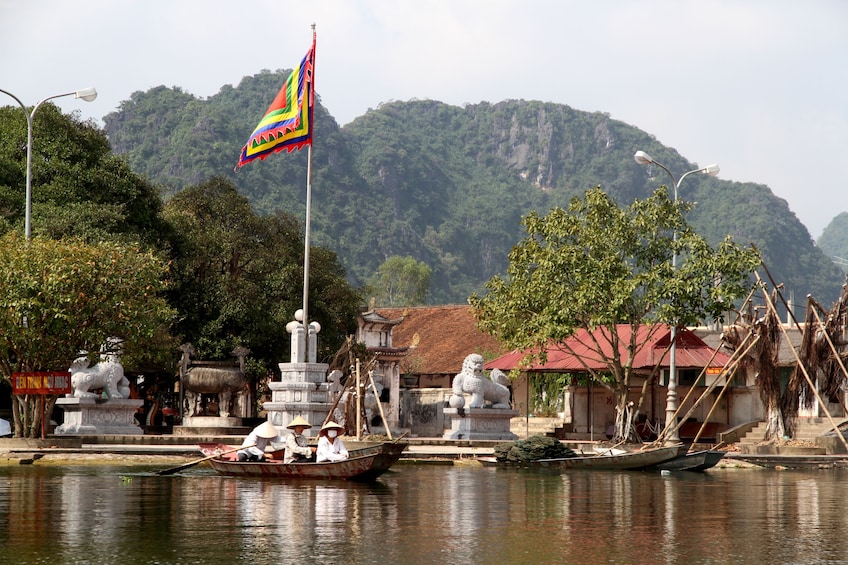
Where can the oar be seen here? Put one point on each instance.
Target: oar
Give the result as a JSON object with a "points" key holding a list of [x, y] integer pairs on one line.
{"points": [[173, 470]]}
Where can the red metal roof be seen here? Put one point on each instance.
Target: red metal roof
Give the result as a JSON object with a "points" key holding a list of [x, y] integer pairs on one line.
{"points": [[584, 351]]}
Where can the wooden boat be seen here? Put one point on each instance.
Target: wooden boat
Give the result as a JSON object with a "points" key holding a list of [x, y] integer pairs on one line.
{"points": [[363, 464], [614, 461], [695, 461]]}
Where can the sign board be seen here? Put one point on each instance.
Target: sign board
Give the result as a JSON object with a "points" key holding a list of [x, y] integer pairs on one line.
{"points": [[714, 370], [42, 382]]}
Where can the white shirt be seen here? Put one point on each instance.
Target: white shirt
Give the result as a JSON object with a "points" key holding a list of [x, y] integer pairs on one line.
{"points": [[259, 444], [330, 451]]}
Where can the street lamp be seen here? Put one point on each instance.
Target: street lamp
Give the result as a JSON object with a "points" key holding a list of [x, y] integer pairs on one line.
{"points": [[671, 400], [87, 94]]}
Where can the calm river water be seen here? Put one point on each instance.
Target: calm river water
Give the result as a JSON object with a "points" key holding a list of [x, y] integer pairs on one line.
{"points": [[422, 514]]}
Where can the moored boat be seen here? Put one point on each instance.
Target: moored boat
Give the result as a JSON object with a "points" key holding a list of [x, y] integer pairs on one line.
{"points": [[631, 460], [363, 464]]}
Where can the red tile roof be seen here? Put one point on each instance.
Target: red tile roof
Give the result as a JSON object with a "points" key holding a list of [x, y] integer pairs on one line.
{"points": [[445, 336], [590, 350]]}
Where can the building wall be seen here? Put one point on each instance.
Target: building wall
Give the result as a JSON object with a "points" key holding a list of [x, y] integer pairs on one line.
{"points": [[737, 406]]}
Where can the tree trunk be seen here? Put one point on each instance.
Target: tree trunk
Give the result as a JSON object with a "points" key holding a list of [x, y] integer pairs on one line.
{"points": [[28, 411], [625, 418], [775, 428]]}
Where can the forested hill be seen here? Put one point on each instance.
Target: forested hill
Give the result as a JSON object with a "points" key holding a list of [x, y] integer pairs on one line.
{"points": [[444, 184]]}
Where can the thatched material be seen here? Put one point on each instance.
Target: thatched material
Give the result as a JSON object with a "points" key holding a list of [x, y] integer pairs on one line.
{"points": [[817, 356], [532, 449]]}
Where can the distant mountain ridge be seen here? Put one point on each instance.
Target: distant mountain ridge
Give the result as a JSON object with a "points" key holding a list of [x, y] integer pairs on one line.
{"points": [[447, 185]]}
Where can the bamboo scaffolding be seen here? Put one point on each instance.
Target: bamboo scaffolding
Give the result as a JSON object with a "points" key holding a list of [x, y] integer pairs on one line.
{"points": [[810, 382]]}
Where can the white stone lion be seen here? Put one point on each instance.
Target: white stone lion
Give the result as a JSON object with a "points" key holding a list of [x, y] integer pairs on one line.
{"points": [[472, 381], [108, 374]]}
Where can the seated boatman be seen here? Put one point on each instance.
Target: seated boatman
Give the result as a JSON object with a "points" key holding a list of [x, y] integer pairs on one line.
{"points": [[254, 444], [297, 446]]}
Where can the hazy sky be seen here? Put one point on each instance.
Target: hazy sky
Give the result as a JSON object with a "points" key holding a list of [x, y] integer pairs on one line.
{"points": [[759, 87]]}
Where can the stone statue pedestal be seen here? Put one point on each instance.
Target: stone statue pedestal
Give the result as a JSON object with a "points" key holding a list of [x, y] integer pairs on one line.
{"points": [[99, 416], [211, 426], [480, 423]]}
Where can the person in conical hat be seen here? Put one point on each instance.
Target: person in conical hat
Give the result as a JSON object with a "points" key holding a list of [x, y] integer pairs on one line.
{"points": [[330, 445], [297, 446], [299, 422], [260, 437]]}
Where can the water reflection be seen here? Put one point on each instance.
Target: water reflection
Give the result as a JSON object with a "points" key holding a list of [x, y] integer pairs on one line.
{"points": [[422, 514]]}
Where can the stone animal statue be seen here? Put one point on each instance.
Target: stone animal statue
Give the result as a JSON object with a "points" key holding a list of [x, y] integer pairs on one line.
{"points": [[482, 389], [206, 377], [107, 374]]}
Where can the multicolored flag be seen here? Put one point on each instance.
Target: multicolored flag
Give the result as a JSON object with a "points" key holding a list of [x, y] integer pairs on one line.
{"points": [[288, 122]]}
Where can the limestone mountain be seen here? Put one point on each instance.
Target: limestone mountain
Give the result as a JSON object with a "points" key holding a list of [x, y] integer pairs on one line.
{"points": [[834, 240], [443, 184]]}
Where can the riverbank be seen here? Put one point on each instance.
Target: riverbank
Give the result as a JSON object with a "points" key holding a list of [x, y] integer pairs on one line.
{"points": [[176, 450]]}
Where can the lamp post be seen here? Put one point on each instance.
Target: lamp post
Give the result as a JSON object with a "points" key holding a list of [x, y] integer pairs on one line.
{"points": [[87, 94], [671, 400]]}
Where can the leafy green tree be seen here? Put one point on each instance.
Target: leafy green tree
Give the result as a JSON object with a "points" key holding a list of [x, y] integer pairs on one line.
{"points": [[237, 277], [401, 281], [58, 298], [79, 187], [597, 265]]}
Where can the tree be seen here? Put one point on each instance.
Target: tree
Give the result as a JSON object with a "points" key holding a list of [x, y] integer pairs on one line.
{"points": [[80, 188], [58, 298], [401, 281], [238, 278], [596, 265]]}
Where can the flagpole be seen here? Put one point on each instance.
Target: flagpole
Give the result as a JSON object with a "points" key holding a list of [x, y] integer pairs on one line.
{"points": [[306, 240], [307, 228]]}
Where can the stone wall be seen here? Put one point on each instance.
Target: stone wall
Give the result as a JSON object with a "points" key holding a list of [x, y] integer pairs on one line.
{"points": [[422, 411]]}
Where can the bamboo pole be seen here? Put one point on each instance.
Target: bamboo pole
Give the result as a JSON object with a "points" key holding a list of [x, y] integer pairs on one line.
{"points": [[835, 354], [358, 404], [720, 394], [735, 360]]}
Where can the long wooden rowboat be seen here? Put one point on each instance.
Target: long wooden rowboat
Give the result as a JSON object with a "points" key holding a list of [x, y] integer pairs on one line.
{"points": [[363, 464], [624, 461], [695, 461]]}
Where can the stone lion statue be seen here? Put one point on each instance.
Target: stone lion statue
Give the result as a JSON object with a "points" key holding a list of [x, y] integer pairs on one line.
{"points": [[482, 389], [107, 374]]}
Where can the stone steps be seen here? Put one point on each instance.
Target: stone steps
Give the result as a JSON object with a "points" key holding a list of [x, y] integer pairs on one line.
{"points": [[806, 429], [524, 427]]}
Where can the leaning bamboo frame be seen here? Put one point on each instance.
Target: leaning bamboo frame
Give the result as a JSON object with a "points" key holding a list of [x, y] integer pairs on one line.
{"points": [[733, 363], [810, 382]]}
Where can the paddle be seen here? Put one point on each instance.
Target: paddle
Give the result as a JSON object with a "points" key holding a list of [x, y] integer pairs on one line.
{"points": [[173, 470]]}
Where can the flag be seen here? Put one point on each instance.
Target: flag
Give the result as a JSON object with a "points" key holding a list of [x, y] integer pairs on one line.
{"points": [[288, 122]]}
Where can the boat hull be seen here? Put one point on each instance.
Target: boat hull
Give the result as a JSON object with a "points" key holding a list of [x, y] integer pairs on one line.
{"points": [[627, 461], [697, 461], [365, 464]]}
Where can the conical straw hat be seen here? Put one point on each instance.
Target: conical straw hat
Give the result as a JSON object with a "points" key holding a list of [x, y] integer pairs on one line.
{"points": [[330, 425], [267, 430], [297, 422]]}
